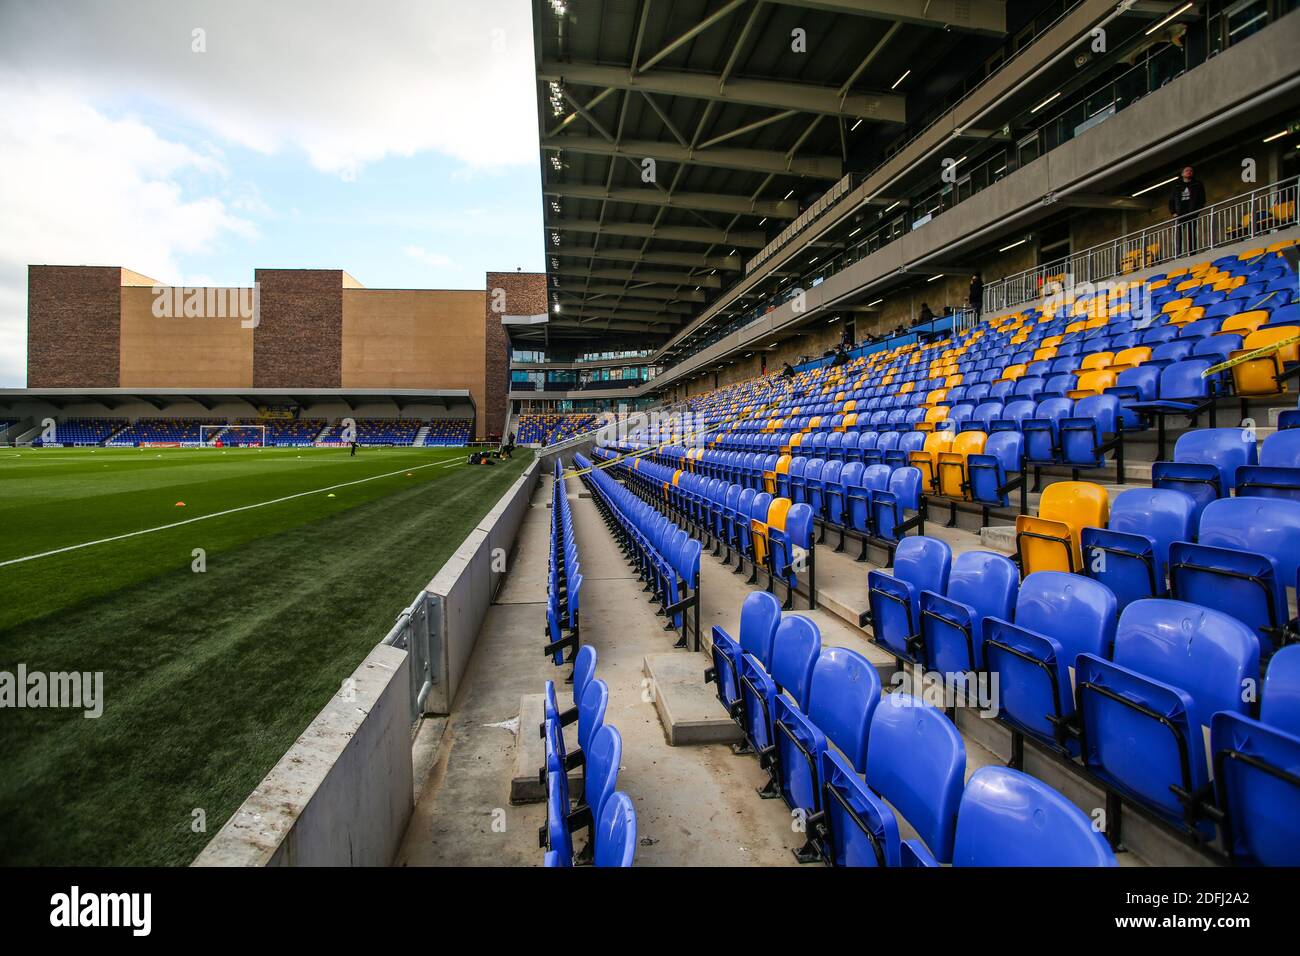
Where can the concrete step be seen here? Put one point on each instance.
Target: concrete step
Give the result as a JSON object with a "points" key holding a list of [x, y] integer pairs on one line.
{"points": [[530, 755], [999, 538], [688, 708]]}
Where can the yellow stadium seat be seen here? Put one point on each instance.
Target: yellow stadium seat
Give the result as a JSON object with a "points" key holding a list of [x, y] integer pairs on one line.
{"points": [[1045, 353], [1184, 316], [1092, 382], [936, 413], [935, 397], [952, 463], [1050, 541], [1130, 358], [1095, 360], [1176, 305], [926, 460], [1259, 376], [1243, 322], [1012, 372], [759, 531]]}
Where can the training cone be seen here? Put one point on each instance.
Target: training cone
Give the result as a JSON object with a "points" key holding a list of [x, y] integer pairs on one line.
{"points": [[180, 504], [330, 495]]}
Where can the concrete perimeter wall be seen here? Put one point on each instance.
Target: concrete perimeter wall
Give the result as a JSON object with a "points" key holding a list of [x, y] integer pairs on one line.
{"points": [[464, 587], [342, 794]]}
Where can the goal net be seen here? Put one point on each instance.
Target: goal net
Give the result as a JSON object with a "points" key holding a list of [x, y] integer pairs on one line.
{"points": [[232, 436]]}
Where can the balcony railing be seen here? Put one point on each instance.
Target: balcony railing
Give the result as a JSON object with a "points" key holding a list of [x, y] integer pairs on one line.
{"points": [[1241, 218]]}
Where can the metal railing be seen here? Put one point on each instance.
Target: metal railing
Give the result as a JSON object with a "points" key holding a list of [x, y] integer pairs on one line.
{"points": [[417, 633], [803, 221], [1239, 219]]}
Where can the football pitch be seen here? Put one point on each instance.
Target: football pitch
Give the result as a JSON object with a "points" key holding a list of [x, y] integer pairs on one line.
{"points": [[224, 595]]}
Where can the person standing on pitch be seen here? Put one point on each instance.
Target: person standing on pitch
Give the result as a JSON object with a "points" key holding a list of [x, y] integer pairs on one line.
{"points": [[353, 445]]}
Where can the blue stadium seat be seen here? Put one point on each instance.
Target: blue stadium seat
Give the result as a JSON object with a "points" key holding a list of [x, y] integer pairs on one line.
{"points": [[1007, 818], [795, 649], [616, 832], [1058, 617], [1131, 555], [980, 584], [1205, 463], [1278, 473], [920, 564], [760, 615], [1243, 561], [842, 698], [1143, 712]]}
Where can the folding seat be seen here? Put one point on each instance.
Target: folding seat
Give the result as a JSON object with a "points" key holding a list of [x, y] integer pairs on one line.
{"points": [[1083, 441], [958, 416], [886, 443], [798, 486], [1244, 322], [875, 478], [1058, 616], [916, 763], [1267, 374], [987, 473], [1278, 473], [600, 777], [759, 505], [1255, 770], [1158, 334], [867, 452], [951, 478], [920, 564], [1243, 561], [1050, 541], [1166, 353], [1042, 430], [1217, 348], [795, 649], [590, 718], [850, 477], [842, 697], [790, 540], [830, 480], [927, 459], [1131, 557], [1008, 818], [1093, 382], [1144, 712], [759, 616], [1205, 463], [1002, 390], [1182, 392], [1057, 386], [908, 443], [977, 393], [1028, 387], [834, 441], [980, 584], [849, 450], [1014, 415], [983, 416]]}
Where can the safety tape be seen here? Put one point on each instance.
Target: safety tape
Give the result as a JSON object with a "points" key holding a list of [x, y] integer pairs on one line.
{"points": [[1262, 352]]}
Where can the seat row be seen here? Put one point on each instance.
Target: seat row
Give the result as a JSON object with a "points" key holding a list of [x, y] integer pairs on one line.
{"points": [[664, 554], [563, 579], [859, 769], [1236, 555], [1125, 697], [605, 813]]}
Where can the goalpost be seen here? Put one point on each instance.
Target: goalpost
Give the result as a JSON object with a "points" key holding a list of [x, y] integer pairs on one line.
{"points": [[232, 435]]}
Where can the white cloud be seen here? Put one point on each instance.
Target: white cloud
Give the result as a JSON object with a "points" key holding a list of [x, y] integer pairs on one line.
{"points": [[90, 174], [78, 187], [348, 83], [435, 259]]}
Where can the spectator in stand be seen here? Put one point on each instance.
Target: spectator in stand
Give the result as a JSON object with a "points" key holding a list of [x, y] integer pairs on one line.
{"points": [[924, 316], [840, 357], [977, 294], [1185, 200], [787, 371]]}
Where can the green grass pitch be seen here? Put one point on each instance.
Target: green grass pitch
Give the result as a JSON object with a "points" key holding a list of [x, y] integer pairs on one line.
{"points": [[208, 676]]}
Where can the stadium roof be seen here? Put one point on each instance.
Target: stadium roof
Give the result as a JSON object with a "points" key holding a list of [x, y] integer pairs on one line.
{"points": [[211, 397], [679, 136]]}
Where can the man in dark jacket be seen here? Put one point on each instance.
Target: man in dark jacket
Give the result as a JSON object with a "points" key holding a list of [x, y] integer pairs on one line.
{"points": [[787, 371], [1185, 200], [977, 293], [840, 356]]}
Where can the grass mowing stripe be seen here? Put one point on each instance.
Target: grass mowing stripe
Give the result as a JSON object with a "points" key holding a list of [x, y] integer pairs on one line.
{"points": [[208, 678], [217, 514]]}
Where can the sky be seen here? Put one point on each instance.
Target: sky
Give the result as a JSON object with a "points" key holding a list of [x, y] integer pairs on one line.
{"points": [[196, 141]]}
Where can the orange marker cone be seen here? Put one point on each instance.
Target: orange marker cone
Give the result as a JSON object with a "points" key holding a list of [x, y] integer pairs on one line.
{"points": [[180, 504]]}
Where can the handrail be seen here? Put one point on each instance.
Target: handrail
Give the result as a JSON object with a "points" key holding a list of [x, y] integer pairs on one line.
{"points": [[1229, 221]]}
